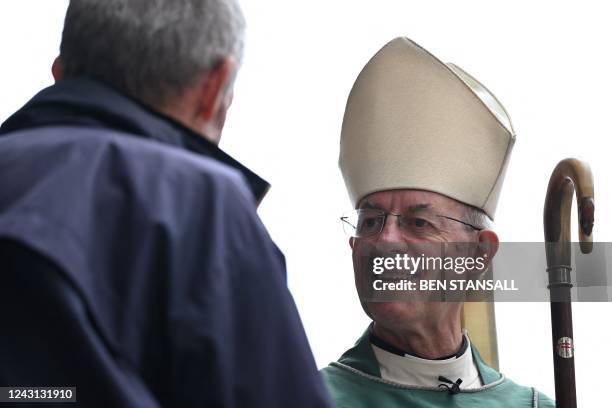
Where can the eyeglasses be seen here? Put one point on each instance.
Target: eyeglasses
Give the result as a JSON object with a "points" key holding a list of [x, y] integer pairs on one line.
{"points": [[368, 222]]}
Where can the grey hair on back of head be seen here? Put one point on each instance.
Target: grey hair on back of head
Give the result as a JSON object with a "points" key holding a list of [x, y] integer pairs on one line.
{"points": [[152, 50]]}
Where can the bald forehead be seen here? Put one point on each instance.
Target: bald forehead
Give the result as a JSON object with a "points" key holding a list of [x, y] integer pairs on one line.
{"points": [[409, 200]]}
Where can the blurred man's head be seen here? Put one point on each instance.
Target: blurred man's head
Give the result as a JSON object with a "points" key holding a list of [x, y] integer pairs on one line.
{"points": [[179, 57]]}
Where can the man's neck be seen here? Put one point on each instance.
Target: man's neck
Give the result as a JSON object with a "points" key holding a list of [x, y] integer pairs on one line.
{"points": [[425, 342]]}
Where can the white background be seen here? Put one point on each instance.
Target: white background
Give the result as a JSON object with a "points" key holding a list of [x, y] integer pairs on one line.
{"points": [[548, 62]]}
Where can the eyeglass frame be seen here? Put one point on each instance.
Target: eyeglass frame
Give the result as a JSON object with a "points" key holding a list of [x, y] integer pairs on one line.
{"points": [[385, 214]]}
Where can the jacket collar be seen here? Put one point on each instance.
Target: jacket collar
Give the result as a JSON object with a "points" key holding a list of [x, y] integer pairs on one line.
{"points": [[86, 102], [361, 357]]}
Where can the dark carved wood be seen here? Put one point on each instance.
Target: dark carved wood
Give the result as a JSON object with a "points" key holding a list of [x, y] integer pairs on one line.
{"points": [[570, 175]]}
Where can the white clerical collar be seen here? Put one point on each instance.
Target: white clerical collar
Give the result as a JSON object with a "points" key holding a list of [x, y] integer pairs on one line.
{"points": [[415, 371]]}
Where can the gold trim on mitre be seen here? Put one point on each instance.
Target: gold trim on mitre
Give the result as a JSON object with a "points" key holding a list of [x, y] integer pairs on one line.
{"points": [[413, 122]]}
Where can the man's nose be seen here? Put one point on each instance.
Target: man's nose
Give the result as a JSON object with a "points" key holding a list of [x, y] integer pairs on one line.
{"points": [[391, 231]]}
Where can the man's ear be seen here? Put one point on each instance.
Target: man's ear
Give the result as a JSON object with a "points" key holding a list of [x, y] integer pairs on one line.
{"points": [[57, 69], [488, 244], [216, 87], [352, 242]]}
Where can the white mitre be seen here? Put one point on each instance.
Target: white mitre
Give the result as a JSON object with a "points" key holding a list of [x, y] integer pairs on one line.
{"points": [[414, 122]]}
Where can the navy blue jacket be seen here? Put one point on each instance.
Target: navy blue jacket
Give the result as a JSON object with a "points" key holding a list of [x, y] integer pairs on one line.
{"points": [[134, 265]]}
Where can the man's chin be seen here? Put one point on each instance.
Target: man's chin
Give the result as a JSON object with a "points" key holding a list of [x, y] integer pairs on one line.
{"points": [[395, 312]]}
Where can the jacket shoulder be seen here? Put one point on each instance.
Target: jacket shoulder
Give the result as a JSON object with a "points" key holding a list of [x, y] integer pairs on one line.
{"points": [[539, 399], [145, 169], [543, 400], [82, 144], [348, 389]]}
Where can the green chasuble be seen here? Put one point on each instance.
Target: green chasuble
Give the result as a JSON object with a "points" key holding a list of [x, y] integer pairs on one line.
{"points": [[355, 382]]}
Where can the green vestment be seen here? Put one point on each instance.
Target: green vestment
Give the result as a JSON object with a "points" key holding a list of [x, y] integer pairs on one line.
{"points": [[355, 382]]}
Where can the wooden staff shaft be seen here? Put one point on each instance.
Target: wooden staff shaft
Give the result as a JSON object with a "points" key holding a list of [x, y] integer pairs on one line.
{"points": [[561, 318], [569, 176]]}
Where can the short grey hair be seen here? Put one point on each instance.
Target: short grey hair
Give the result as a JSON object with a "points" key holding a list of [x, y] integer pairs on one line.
{"points": [[476, 217], [152, 50]]}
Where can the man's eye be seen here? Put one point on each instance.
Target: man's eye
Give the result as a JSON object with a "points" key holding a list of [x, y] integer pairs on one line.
{"points": [[421, 223], [368, 224]]}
